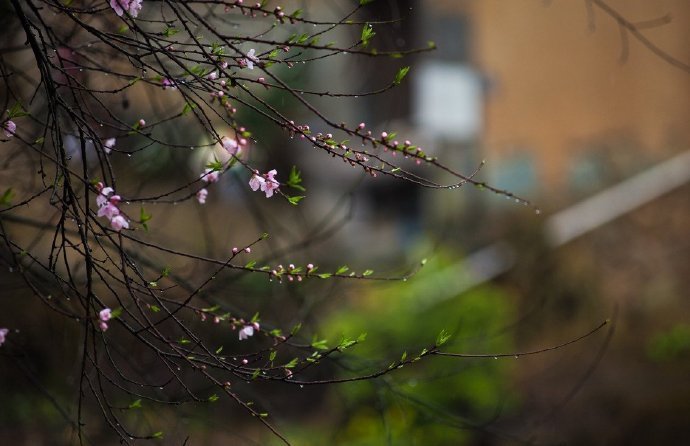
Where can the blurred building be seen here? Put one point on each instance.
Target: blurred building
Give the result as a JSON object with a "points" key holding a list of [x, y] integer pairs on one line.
{"points": [[568, 97]]}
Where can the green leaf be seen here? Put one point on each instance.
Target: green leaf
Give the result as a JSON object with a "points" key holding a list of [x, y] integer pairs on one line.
{"points": [[6, 198], [187, 108], [292, 364], [442, 338], [17, 111], [272, 356], [365, 2], [295, 179], [116, 313], [255, 318], [155, 308], [295, 199], [197, 70], [296, 329], [346, 343], [325, 275], [256, 373], [135, 404], [217, 49], [367, 34], [343, 269], [215, 165], [400, 75], [320, 344], [158, 434], [250, 264], [219, 349], [213, 398], [368, 272], [144, 218], [169, 31]]}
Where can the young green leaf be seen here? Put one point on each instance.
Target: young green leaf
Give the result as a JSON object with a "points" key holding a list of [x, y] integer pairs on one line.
{"points": [[6, 197], [295, 199], [295, 179], [367, 34], [17, 111], [442, 338], [135, 404], [400, 75]]}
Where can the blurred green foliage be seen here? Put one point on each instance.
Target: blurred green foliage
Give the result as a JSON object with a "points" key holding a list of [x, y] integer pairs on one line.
{"points": [[440, 401], [670, 345]]}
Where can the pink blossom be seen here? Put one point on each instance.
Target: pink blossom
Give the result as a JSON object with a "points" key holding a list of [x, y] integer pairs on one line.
{"points": [[105, 314], [250, 60], [168, 83], [10, 128], [246, 332], [230, 145], [212, 76], [133, 7], [3, 333], [108, 211], [201, 195], [119, 6], [256, 182], [102, 198], [118, 222], [108, 145], [102, 325], [270, 184], [210, 175]]}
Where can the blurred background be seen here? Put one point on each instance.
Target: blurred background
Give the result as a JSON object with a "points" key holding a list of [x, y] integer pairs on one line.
{"points": [[571, 111]]}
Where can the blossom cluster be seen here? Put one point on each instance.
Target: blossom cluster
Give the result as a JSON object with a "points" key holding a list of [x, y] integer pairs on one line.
{"points": [[266, 182], [103, 317], [107, 202], [133, 7], [247, 329]]}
